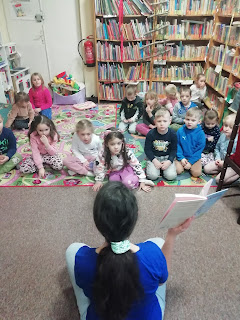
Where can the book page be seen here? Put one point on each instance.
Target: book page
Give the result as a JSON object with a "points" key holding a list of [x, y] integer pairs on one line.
{"points": [[181, 211], [211, 199]]}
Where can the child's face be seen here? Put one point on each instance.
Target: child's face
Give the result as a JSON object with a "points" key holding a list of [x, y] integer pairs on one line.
{"points": [[23, 104], [227, 129], [37, 82], [185, 97], [162, 123], [43, 130], [131, 97], [115, 146], [171, 96], [85, 135], [1, 124], [210, 123], [150, 101], [201, 82], [191, 122]]}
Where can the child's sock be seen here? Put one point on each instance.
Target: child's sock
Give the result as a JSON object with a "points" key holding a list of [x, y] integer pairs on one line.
{"points": [[90, 174], [71, 173], [149, 183]]}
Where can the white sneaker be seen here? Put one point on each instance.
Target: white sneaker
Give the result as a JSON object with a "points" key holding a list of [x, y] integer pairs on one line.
{"points": [[90, 174], [149, 183], [71, 173]]}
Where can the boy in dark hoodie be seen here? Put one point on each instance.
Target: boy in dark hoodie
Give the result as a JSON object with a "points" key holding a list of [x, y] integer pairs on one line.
{"points": [[131, 110], [191, 143]]}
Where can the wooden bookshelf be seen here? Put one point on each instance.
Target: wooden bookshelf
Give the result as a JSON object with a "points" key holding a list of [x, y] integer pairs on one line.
{"points": [[194, 36], [223, 60]]}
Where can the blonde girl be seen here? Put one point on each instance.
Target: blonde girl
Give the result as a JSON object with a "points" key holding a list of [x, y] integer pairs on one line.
{"points": [[86, 147], [214, 167], [199, 89], [149, 110], [172, 97], [40, 96], [22, 114], [43, 138], [121, 164]]}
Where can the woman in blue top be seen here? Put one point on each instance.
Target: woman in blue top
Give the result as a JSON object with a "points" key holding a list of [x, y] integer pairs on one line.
{"points": [[120, 280]]}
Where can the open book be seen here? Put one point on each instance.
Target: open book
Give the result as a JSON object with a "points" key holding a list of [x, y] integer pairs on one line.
{"points": [[185, 206]]}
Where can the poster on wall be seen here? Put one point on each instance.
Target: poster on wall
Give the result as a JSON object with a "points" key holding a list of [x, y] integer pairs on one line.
{"points": [[24, 9]]}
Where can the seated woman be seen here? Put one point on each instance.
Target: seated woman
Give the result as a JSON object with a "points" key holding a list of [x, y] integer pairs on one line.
{"points": [[120, 280]]}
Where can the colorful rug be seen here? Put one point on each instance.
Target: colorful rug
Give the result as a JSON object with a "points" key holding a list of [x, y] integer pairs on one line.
{"points": [[65, 118]]}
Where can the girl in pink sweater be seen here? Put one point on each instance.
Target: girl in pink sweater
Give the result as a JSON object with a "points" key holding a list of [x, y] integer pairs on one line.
{"points": [[40, 96], [43, 138], [172, 97]]}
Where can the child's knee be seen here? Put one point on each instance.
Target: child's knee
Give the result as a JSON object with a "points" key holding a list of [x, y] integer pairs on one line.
{"points": [[171, 175], [196, 172], [152, 175]]}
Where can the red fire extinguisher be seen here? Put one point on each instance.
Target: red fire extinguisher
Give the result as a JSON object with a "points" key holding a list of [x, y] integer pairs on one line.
{"points": [[88, 49]]}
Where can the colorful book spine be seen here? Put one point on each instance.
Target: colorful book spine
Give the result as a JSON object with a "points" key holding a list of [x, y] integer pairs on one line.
{"points": [[112, 91], [133, 7], [221, 34], [187, 71], [192, 7], [228, 7], [217, 81]]}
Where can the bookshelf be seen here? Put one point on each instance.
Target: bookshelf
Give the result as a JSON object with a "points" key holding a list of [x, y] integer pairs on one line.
{"points": [[163, 41], [5, 75], [223, 61]]}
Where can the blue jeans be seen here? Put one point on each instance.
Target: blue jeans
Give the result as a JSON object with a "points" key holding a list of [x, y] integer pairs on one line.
{"points": [[83, 301], [47, 113]]}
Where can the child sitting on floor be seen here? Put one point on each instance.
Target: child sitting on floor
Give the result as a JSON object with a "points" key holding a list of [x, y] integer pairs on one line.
{"points": [[212, 134], [9, 158], [220, 152], [171, 99], [149, 110], [191, 143], [131, 110], [199, 90], [181, 107], [161, 147], [43, 138], [121, 164], [22, 114], [40, 96], [86, 147]]}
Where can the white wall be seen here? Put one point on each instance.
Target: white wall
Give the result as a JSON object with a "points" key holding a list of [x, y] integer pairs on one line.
{"points": [[63, 32], [3, 25]]}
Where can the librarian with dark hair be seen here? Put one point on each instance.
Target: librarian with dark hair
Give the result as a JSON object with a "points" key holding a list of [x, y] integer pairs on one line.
{"points": [[120, 280]]}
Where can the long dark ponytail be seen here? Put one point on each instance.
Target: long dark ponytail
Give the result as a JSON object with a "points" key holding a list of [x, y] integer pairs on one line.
{"points": [[117, 285]]}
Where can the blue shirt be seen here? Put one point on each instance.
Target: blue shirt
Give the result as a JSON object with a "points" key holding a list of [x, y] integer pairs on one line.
{"points": [[153, 271], [191, 143], [7, 143]]}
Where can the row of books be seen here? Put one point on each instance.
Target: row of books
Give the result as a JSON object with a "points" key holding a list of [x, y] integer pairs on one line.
{"points": [[133, 7], [191, 7], [112, 52], [216, 55], [228, 7], [109, 29], [222, 30], [139, 72], [217, 81], [214, 101], [111, 72], [158, 87], [187, 52], [236, 66], [187, 71], [187, 30], [114, 91]]}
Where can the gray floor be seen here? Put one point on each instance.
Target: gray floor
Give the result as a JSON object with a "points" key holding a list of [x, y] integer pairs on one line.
{"points": [[37, 225]]}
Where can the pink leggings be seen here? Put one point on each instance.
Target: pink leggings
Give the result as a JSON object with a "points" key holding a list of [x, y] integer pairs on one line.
{"points": [[142, 128], [74, 164], [126, 176]]}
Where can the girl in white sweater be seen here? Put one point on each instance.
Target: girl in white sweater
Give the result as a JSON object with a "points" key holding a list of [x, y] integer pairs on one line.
{"points": [[85, 148]]}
